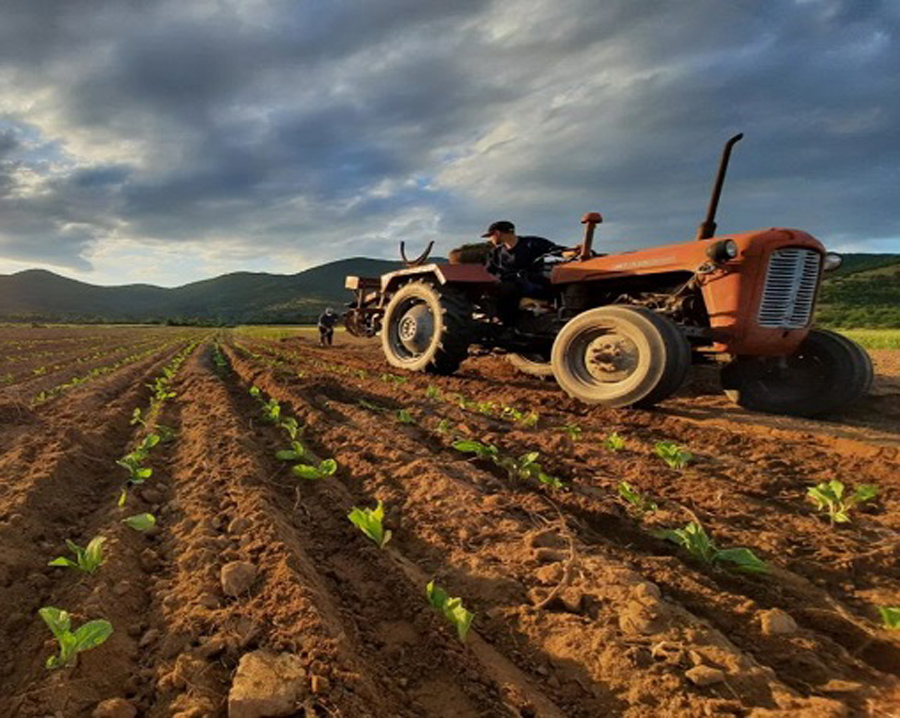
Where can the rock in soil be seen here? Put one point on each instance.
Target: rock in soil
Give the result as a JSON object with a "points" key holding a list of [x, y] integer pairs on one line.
{"points": [[704, 675], [266, 685], [114, 708], [237, 577], [777, 622]]}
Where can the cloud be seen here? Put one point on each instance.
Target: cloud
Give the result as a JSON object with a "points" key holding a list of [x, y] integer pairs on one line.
{"points": [[235, 131]]}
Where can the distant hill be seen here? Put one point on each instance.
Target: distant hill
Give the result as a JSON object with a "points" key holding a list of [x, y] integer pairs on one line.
{"points": [[864, 292], [240, 297]]}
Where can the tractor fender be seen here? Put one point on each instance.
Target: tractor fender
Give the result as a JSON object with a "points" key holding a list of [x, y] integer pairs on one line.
{"points": [[471, 275]]}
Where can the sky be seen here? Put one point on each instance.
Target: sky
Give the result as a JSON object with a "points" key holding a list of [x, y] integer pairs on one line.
{"points": [[164, 141]]}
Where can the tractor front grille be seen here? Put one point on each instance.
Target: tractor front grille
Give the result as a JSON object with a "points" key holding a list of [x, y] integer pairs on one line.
{"points": [[790, 289]]}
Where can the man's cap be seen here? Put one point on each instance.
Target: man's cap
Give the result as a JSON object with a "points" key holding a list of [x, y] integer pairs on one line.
{"points": [[501, 226]]}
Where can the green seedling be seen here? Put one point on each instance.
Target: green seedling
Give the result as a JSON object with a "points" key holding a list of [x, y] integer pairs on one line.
{"points": [[694, 538], [290, 425], [890, 616], [141, 522], [524, 467], [306, 471], [366, 404], [452, 609], [677, 457], [482, 451], [573, 431], [640, 503], [829, 496], [522, 418], [87, 636], [443, 426], [370, 522], [614, 442], [432, 392], [271, 411], [404, 417], [132, 462], [137, 418], [255, 391], [295, 453], [87, 559]]}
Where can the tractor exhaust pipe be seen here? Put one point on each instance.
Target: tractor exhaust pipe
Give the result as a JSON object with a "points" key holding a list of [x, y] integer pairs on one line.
{"points": [[707, 228]]}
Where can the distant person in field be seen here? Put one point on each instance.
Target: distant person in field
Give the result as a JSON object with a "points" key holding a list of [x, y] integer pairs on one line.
{"points": [[327, 320]]}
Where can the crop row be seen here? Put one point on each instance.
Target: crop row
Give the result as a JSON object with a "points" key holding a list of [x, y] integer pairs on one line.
{"points": [[72, 641], [830, 497]]}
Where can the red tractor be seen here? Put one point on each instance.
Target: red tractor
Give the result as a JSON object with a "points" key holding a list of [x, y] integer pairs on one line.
{"points": [[624, 329]]}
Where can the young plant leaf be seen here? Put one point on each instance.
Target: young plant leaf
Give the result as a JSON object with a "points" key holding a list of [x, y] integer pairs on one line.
{"points": [[890, 616], [141, 522], [370, 522]]}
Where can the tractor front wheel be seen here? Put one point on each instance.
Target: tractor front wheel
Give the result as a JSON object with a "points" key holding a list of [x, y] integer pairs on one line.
{"points": [[825, 374], [426, 328], [619, 356]]}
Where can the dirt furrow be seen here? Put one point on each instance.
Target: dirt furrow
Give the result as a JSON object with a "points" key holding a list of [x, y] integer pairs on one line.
{"points": [[390, 457]]}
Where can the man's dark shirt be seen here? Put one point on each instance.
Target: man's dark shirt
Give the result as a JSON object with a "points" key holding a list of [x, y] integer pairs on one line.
{"points": [[510, 264], [328, 320]]}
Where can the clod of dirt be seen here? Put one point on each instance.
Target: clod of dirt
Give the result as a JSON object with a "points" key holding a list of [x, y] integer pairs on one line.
{"points": [[546, 539], [114, 708], [239, 525], [266, 685], [644, 617], [776, 622], [704, 675], [237, 577], [211, 647], [152, 496], [149, 638], [550, 574], [549, 555]]}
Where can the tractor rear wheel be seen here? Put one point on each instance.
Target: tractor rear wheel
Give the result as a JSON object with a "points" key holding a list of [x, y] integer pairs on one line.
{"points": [[533, 364], [619, 356], [426, 328], [826, 373]]}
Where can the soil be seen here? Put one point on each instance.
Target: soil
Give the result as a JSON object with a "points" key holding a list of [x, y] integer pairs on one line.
{"points": [[581, 609]]}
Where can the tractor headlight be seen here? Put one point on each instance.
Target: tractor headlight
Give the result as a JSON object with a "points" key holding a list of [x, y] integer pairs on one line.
{"points": [[832, 261], [722, 251]]}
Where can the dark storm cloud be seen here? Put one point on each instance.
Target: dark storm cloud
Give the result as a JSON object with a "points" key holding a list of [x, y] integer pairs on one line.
{"points": [[298, 124]]}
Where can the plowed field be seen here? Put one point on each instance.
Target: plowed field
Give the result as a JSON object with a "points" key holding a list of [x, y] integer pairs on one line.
{"points": [[255, 595]]}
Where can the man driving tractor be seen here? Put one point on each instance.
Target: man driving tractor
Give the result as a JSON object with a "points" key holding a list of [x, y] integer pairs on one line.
{"points": [[513, 259]]}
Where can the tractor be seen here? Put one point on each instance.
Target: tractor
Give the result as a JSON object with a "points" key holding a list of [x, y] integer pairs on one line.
{"points": [[623, 329]]}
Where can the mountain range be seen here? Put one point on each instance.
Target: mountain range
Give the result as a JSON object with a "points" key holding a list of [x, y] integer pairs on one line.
{"points": [[864, 292]]}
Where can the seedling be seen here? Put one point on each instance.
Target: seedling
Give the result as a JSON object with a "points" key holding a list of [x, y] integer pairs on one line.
{"points": [[829, 496], [89, 635], [366, 404], [890, 615], [370, 522], [141, 522], [255, 391], [529, 419], [677, 457], [694, 538], [87, 559], [614, 442], [290, 425], [573, 431], [443, 426], [166, 433], [432, 392], [523, 467], [136, 418], [640, 503], [452, 609], [271, 411], [482, 451], [404, 417], [295, 453], [306, 471]]}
